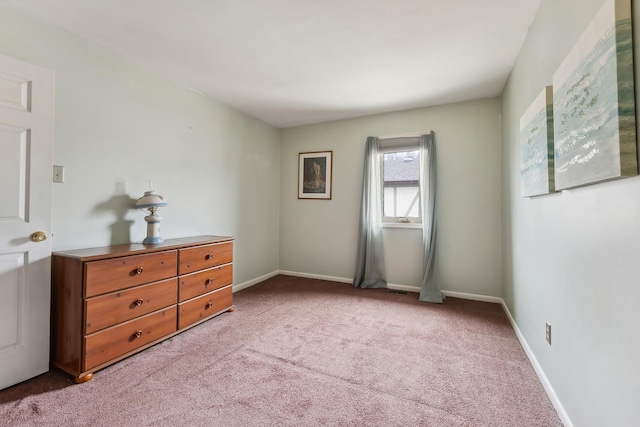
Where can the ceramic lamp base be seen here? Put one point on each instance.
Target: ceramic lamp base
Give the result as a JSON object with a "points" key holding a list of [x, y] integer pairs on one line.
{"points": [[153, 230]]}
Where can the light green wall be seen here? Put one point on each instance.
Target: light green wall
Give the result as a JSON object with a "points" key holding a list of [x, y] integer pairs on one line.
{"points": [[118, 125], [319, 237], [572, 259]]}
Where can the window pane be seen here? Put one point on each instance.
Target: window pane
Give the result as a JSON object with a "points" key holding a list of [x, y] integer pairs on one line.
{"points": [[401, 171]]}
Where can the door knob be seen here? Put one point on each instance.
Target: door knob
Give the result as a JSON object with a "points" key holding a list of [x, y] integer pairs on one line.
{"points": [[39, 236]]}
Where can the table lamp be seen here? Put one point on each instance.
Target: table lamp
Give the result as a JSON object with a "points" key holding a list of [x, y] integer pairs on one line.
{"points": [[150, 203]]}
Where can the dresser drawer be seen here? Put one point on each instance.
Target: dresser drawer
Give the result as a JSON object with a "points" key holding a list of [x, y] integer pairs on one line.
{"points": [[119, 273], [205, 256], [110, 343], [110, 309], [108, 303], [200, 308], [195, 284]]}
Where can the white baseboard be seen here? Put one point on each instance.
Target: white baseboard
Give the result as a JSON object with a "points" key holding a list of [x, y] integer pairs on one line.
{"points": [[461, 295], [404, 288], [566, 421], [474, 297], [315, 276], [255, 281], [395, 286]]}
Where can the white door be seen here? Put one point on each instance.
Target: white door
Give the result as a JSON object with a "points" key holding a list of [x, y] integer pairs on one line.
{"points": [[26, 157]]}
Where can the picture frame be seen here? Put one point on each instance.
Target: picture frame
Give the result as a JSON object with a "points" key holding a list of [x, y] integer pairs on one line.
{"points": [[594, 103], [315, 171], [536, 146]]}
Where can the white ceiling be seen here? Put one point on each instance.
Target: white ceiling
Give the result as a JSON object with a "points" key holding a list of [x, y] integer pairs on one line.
{"points": [[294, 62]]}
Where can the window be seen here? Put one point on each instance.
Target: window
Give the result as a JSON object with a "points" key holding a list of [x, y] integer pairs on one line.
{"points": [[400, 162]]}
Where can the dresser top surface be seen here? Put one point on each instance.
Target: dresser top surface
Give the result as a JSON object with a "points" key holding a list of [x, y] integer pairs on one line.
{"points": [[89, 254]]}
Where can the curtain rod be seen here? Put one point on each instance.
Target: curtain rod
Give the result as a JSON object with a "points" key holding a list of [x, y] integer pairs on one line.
{"points": [[405, 135]]}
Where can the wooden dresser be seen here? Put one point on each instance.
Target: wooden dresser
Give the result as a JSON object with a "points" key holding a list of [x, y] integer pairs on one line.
{"points": [[109, 303]]}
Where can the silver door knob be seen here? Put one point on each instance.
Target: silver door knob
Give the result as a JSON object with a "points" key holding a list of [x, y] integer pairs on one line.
{"points": [[39, 236]]}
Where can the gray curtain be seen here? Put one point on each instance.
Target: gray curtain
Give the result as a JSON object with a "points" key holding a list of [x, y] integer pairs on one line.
{"points": [[370, 271], [430, 288]]}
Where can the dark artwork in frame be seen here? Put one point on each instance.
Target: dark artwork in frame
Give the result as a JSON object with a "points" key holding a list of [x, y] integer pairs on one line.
{"points": [[314, 175]]}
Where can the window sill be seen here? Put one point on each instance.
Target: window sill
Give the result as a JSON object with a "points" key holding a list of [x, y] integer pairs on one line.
{"points": [[402, 225]]}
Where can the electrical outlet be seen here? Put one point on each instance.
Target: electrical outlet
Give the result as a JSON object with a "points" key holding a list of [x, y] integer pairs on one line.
{"points": [[58, 173], [548, 333]]}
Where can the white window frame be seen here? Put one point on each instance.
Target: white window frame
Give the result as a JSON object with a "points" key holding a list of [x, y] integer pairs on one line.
{"points": [[395, 145]]}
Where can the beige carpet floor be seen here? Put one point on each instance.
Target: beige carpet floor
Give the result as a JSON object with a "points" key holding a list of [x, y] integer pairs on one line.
{"points": [[302, 352]]}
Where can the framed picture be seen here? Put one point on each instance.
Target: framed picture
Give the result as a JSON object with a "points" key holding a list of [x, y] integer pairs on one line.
{"points": [[536, 146], [594, 103], [314, 175]]}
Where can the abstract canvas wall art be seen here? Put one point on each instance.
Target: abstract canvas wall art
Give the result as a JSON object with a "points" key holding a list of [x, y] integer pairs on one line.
{"points": [[536, 146], [593, 103]]}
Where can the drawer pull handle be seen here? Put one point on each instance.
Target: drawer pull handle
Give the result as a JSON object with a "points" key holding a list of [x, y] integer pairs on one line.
{"points": [[208, 257], [139, 270], [138, 302], [208, 281], [209, 305], [138, 334]]}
